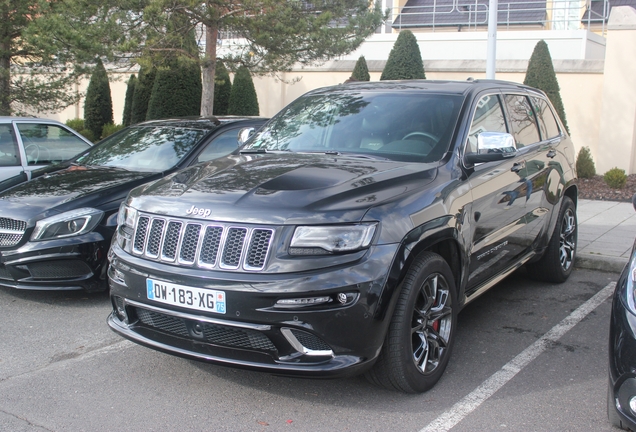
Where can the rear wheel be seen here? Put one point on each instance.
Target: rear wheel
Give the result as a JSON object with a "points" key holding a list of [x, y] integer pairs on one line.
{"points": [[557, 262], [420, 337]]}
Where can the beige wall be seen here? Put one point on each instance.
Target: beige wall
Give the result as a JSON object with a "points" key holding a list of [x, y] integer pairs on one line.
{"points": [[617, 137]]}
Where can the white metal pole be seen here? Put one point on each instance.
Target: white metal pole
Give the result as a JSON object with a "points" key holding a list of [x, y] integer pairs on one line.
{"points": [[491, 54]]}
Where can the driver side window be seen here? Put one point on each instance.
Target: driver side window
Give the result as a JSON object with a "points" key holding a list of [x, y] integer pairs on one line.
{"points": [[488, 117]]}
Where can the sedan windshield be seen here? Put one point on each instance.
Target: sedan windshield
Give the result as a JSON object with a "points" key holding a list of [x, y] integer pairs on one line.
{"points": [[144, 148], [412, 126]]}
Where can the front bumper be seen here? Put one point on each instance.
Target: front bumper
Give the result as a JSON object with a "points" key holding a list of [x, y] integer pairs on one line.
{"points": [[64, 264], [328, 340], [622, 357]]}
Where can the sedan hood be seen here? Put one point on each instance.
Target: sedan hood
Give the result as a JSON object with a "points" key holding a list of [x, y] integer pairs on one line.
{"points": [[277, 189], [73, 187]]}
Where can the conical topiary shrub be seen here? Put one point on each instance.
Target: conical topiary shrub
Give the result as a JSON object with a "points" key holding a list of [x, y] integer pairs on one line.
{"points": [[98, 106], [130, 92], [540, 74], [361, 71], [176, 91], [405, 59], [243, 99], [141, 96], [222, 89]]}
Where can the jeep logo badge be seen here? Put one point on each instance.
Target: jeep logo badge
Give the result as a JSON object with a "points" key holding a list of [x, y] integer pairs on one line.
{"points": [[196, 211]]}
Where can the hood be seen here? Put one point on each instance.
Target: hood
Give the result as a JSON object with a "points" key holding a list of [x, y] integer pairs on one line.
{"points": [[73, 187], [277, 188]]}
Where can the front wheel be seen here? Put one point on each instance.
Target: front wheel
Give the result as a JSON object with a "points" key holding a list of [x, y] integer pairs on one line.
{"points": [[557, 262], [421, 333]]}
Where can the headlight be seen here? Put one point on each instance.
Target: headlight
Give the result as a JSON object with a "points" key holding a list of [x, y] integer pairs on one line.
{"points": [[67, 224], [126, 216], [329, 239], [631, 284]]}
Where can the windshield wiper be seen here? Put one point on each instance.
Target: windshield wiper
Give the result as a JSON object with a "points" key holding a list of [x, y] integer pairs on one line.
{"points": [[253, 151]]}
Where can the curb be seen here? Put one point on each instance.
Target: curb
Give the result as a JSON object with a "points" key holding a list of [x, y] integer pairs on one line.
{"points": [[600, 262]]}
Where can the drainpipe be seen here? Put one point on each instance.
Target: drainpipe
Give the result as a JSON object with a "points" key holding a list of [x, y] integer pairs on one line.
{"points": [[491, 54]]}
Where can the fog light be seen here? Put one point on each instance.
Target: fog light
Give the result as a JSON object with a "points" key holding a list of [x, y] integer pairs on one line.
{"points": [[306, 301], [632, 404]]}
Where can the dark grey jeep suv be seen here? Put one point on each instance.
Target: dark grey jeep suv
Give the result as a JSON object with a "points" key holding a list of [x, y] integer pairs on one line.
{"points": [[348, 233]]}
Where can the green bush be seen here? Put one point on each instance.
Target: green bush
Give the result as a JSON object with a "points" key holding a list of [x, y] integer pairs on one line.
{"points": [[243, 99], [584, 164], [361, 71], [130, 92], [141, 95], [222, 89], [78, 125], [110, 129], [405, 59], [98, 106], [540, 74], [176, 91], [615, 178]]}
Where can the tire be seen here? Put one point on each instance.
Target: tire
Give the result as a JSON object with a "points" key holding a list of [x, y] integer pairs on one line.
{"points": [[557, 262], [420, 337]]}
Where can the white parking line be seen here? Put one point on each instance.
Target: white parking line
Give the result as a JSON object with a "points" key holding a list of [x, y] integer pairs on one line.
{"points": [[472, 401]]}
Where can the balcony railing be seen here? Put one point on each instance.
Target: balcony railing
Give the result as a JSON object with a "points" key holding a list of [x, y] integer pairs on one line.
{"points": [[462, 14]]}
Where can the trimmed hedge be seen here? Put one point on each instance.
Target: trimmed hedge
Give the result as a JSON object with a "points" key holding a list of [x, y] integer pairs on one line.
{"points": [[361, 71], [176, 91], [222, 89], [541, 75], [98, 106], [130, 92], [405, 59], [142, 93], [243, 99]]}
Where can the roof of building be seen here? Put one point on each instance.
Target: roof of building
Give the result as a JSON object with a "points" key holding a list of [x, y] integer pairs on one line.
{"points": [[601, 9]]}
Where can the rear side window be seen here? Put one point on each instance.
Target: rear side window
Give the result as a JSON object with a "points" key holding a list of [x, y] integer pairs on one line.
{"points": [[522, 121], [547, 123], [8, 147], [488, 117]]}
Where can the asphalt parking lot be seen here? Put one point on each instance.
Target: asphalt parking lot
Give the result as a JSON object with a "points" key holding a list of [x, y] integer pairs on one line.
{"points": [[529, 356]]}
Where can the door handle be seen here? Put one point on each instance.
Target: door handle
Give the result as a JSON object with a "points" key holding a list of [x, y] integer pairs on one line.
{"points": [[551, 154]]}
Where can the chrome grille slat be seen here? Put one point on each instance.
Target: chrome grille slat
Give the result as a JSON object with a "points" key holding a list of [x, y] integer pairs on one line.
{"points": [[199, 244], [11, 231], [233, 248]]}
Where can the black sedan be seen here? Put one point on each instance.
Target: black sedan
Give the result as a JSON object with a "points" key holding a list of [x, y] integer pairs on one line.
{"points": [[621, 395], [55, 229]]}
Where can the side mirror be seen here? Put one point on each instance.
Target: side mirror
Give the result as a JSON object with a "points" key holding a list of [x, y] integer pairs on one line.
{"points": [[245, 134], [492, 146]]}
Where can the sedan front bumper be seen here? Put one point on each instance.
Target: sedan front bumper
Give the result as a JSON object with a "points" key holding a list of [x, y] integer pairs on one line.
{"points": [[63, 264]]}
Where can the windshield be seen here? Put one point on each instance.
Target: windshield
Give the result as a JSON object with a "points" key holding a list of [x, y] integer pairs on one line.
{"points": [[145, 148], [410, 126]]}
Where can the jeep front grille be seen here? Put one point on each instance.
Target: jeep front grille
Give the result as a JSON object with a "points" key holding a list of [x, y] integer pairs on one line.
{"points": [[210, 245], [11, 231]]}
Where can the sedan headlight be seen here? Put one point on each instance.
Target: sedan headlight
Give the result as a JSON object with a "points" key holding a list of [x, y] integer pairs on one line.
{"points": [[631, 284], [67, 224], [330, 239]]}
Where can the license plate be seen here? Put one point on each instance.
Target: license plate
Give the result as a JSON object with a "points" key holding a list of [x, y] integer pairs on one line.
{"points": [[188, 297]]}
